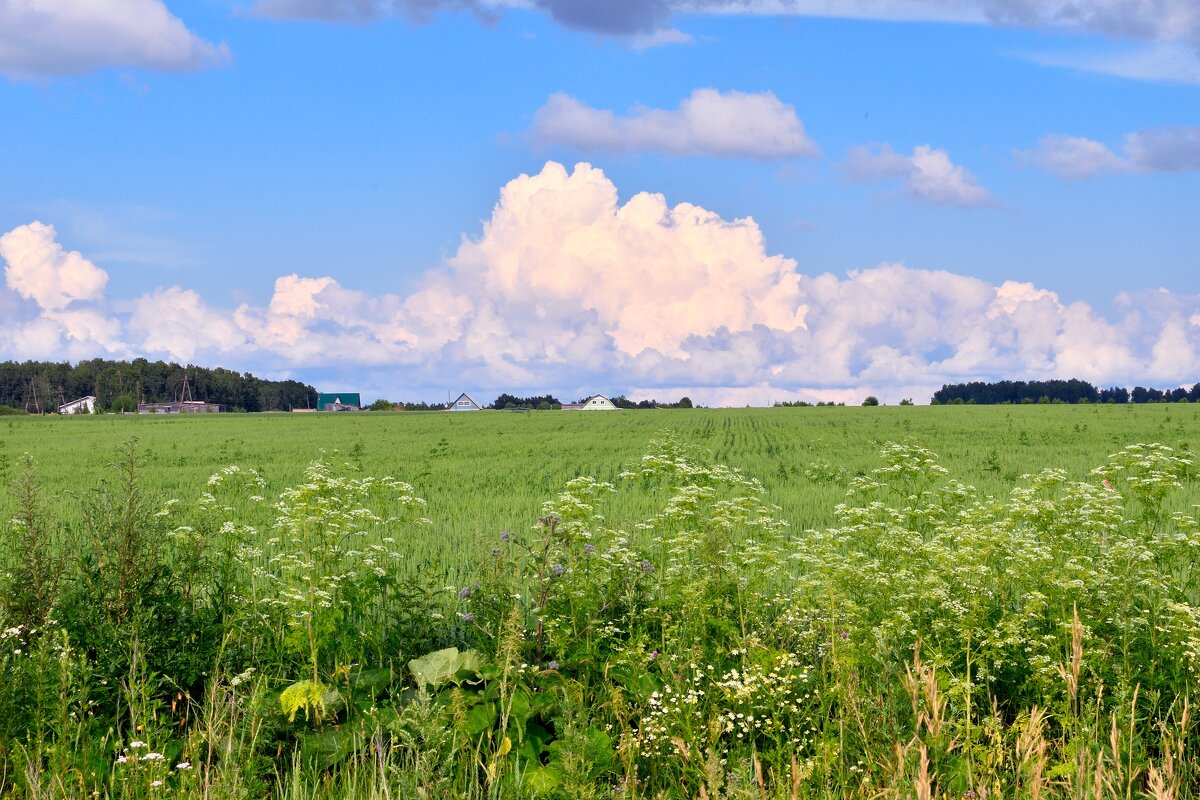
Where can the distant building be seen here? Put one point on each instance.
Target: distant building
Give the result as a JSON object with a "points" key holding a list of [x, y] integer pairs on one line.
{"points": [[596, 402], [84, 405], [179, 407], [465, 403], [339, 401]]}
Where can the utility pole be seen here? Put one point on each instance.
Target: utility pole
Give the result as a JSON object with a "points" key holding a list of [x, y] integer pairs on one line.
{"points": [[31, 399]]}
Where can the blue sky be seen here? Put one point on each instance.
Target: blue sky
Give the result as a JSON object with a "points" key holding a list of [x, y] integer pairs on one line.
{"points": [[844, 196]]}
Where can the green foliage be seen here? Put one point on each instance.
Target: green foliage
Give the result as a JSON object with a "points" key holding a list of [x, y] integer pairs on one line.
{"points": [[123, 403], [32, 551], [441, 667]]}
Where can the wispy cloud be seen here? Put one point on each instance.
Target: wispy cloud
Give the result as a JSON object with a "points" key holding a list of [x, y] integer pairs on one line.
{"points": [[1169, 61], [707, 123]]}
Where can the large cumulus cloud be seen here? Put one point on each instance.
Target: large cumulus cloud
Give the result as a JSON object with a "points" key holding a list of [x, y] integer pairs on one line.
{"points": [[568, 289]]}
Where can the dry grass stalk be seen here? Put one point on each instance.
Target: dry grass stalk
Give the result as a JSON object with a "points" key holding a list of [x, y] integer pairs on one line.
{"points": [[923, 782], [929, 707], [1031, 752], [1070, 673], [1164, 779]]}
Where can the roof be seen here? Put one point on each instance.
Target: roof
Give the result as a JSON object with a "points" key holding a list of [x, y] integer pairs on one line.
{"points": [[465, 402], [591, 402], [82, 401], [339, 398]]}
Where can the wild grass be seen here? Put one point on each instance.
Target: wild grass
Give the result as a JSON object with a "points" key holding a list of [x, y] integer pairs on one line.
{"points": [[764, 604]]}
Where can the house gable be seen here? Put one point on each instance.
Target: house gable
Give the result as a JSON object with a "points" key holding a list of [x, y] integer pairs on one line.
{"points": [[596, 402], [464, 402]]}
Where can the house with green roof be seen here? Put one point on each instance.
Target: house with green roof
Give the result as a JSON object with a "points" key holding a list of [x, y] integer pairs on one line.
{"points": [[339, 401]]}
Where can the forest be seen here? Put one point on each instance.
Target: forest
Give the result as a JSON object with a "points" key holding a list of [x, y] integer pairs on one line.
{"points": [[42, 386], [1056, 391]]}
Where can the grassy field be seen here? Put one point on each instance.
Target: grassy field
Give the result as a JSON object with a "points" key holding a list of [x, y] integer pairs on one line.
{"points": [[749, 603], [490, 471]]}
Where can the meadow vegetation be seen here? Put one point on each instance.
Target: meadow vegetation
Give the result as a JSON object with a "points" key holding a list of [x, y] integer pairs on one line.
{"points": [[780, 603]]}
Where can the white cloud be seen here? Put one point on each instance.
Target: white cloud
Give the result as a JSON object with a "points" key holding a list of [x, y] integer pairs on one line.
{"points": [[929, 175], [49, 37], [1153, 20], [652, 275], [1169, 149], [1074, 157], [40, 270], [707, 123], [567, 289], [64, 292], [178, 323]]}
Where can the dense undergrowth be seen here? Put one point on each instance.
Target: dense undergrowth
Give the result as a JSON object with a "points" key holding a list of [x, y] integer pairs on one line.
{"points": [[933, 642]]}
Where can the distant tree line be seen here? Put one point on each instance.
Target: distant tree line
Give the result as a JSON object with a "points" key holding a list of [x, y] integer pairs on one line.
{"points": [[383, 404], [621, 401], [547, 402], [541, 402], [806, 404], [1056, 391], [121, 385]]}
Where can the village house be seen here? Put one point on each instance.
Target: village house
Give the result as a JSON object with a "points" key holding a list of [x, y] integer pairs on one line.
{"points": [[179, 407], [339, 401], [465, 403], [596, 402], [84, 405]]}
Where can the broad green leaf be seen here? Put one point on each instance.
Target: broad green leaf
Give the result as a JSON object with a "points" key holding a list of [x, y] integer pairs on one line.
{"points": [[442, 666], [540, 780]]}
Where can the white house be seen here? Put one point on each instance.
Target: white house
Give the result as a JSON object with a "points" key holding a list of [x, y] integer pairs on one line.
{"points": [[84, 405], [596, 402], [465, 403]]}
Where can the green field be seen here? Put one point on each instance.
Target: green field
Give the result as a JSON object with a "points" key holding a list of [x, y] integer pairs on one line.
{"points": [[838, 614], [490, 471]]}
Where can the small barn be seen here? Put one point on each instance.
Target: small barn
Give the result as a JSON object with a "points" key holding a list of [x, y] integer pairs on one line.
{"points": [[84, 405], [465, 403], [339, 401], [596, 402]]}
